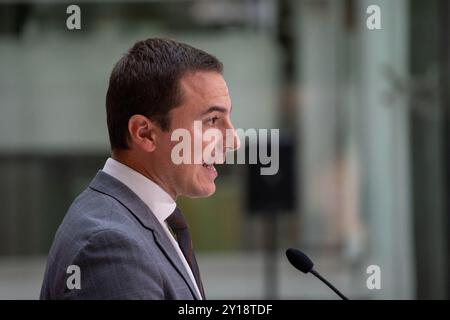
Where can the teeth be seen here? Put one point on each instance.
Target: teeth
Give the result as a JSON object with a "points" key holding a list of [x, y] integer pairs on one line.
{"points": [[209, 166]]}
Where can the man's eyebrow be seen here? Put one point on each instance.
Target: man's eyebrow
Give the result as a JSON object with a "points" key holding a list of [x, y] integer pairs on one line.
{"points": [[216, 108]]}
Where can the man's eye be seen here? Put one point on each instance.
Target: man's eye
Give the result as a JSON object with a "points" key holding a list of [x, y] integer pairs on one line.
{"points": [[213, 120]]}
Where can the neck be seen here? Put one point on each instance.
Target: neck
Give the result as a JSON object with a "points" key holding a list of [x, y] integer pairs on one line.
{"points": [[138, 165]]}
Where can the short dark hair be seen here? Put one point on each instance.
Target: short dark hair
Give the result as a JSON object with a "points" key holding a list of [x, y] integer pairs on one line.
{"points": [[146, 80]]}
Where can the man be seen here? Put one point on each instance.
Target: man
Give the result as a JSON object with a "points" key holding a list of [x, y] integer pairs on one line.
{"points": [[123, 237]]}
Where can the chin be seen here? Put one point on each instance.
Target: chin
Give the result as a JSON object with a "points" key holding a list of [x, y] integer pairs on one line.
{"points": [[211, 191], [204, 192]]}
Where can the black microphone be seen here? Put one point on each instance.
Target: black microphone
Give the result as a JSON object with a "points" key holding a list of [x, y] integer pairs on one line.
{"points": [[303, 263]]}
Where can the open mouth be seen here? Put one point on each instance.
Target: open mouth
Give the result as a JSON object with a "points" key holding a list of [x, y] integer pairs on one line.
{"points": [[209, 166]]}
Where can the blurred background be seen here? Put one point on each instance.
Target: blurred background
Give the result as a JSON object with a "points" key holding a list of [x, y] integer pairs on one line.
{"points": [[363, 115]]}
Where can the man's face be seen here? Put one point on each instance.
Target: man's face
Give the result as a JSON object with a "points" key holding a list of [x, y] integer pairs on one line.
{"points": [[205, 100]]}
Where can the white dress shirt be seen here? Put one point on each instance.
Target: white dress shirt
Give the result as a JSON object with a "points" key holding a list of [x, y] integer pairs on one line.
{"points": [[159, 201]]}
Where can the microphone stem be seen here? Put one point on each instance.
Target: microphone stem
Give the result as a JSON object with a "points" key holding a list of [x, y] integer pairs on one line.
{"points": [[314, 272]]}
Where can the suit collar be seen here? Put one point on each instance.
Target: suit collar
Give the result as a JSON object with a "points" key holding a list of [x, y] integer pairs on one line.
{"points": [[159, 201], [110, 186]]}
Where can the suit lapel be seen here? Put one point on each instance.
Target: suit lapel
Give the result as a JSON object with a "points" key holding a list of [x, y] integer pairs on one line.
{"points": [[107, 184]]}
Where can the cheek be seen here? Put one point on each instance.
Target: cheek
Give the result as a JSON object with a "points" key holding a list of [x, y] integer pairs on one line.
{"points": [[166, 153], [188, 174], [197, 176]]}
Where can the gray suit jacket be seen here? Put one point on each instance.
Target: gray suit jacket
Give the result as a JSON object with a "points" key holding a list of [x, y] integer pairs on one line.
{"points": [[120, 247]]}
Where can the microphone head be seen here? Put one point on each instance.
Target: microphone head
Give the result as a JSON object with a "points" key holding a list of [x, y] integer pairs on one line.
{"points": [[299, 260]]}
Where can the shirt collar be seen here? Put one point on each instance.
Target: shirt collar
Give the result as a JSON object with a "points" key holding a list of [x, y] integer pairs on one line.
{"points": [[159, 201]]}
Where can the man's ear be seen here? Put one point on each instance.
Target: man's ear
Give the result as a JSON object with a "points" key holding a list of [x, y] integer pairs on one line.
{"points": [[143, 132]]}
